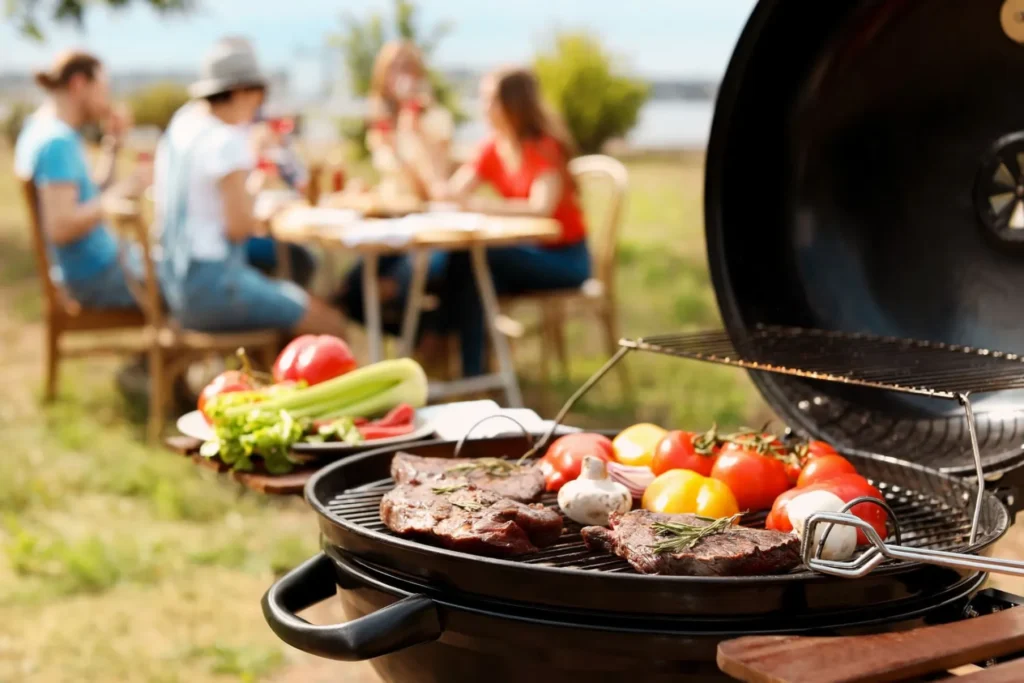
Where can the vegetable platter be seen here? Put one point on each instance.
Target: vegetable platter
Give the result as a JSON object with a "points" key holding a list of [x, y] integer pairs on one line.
{"points": [[316, 402]]}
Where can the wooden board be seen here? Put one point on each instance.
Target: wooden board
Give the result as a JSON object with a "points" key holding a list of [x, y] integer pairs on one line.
{"points": [[289, 484], [882, 658]]}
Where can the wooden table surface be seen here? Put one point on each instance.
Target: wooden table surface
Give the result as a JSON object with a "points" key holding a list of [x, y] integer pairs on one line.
{"points": [[495, 231], [291, 484]]}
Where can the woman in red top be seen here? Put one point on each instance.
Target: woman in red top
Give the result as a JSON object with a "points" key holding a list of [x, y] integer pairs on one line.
{"points": [[526, 162]]}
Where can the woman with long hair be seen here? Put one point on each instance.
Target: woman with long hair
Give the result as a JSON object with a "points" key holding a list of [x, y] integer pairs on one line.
{"points": [[525, 161], [408, 137]]}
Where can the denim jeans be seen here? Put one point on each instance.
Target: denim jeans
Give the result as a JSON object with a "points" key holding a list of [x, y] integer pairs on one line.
{"points": [[515, 270], [261, 253]]}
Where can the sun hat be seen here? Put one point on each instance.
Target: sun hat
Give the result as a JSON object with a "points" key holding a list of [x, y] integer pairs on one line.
{"points": [[230, 65]]}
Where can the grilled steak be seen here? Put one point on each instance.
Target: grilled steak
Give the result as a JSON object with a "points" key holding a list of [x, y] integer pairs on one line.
{"points": [[524, 483], [738, 551], [473, 520]]}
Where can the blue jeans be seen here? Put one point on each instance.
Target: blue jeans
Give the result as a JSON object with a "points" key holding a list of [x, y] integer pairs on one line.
{"points": [[231, 295], [261, 252], [515, 270]]}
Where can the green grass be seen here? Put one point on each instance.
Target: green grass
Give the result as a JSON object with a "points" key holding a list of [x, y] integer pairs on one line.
{"points": [[123, 563]]}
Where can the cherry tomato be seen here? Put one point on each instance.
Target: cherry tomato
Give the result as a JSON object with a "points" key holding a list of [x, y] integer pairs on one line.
{"points": [[756, 480], [679, 491], [314, 359], [823, 468], [846, 487], [564, 458], [224, 383], [685, 451]]}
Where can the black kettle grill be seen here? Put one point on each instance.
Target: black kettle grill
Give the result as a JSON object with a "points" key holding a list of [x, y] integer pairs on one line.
{"points": [[863, 188]]}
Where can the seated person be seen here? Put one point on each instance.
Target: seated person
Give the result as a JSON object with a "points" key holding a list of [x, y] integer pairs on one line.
{"points": [[408, 138], [205, 212], [49, 151], [525, 161]]}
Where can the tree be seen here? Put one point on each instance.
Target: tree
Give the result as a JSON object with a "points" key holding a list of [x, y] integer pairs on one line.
{"points": [[597, 102], [154, 105], [26, 13], [361, 40]]}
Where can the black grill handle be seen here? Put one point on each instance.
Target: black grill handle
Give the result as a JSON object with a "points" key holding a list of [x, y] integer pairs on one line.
{"points": [[410, 621]]}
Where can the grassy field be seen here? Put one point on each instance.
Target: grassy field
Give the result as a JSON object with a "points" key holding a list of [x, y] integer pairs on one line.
{"points": [[123, 563], [119, 562]]}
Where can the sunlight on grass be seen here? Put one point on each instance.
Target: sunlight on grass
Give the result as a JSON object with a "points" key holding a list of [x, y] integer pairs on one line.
{"points": [[120, 562]]}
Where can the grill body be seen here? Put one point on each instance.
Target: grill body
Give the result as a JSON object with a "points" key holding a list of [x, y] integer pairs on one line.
{"points": [[569, 578], [853, 155]]}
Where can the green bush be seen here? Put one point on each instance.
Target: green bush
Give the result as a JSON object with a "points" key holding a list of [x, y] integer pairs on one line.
{"points": [[10, 128], [597, 102], [156, 104]]}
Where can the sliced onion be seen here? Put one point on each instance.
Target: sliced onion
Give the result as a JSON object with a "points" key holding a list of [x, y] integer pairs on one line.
{"points": [[636, 479]]}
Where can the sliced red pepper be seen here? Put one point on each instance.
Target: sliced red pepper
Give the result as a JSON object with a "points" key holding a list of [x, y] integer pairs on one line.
{"points": [[401, 414], [372, 432]]}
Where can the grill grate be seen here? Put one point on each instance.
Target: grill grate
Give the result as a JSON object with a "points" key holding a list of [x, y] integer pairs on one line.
{"points": [[914, 367], [926, 520]]}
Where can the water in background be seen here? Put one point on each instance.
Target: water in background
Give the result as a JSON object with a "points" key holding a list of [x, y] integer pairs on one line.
{"points": [[662, 124]]}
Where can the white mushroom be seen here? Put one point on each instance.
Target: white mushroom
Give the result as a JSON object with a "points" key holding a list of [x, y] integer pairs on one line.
{"points": [[593, 496], [842, 539]]}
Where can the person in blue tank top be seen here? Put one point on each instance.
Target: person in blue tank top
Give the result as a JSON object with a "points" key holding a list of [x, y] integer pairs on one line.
{"points": [[49, 151]]}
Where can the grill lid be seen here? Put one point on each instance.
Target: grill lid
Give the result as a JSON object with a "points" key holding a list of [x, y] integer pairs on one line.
{"points": [[865, 173]]}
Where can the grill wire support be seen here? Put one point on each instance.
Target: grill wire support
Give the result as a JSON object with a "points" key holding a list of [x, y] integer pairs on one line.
{"points": [[988, 370]]}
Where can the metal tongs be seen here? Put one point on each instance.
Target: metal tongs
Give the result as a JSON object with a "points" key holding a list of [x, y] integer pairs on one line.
{"points": [[880, 551]]}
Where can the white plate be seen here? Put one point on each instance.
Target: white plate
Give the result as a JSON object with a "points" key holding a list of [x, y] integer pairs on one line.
{"points": [[193, 424]]}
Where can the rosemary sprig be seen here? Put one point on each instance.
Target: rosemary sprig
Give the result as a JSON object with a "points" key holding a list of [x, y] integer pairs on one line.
{"points": [[468, 505], [443, 490], [496, 467], [680, 536]]}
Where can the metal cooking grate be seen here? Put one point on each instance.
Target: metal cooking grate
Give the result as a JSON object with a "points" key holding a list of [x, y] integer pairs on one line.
{"points": [[915, 367], [925, 521]]}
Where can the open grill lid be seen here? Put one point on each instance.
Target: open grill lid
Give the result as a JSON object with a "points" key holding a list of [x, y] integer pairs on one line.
{"points": [[865, 174]]}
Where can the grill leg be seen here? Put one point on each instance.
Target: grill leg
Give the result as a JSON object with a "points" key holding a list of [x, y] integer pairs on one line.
{"points": [[965, 401]]}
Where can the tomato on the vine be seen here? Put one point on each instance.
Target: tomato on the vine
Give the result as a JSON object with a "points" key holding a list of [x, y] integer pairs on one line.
{"points": [[756, 480], [824, 467], [680, 450]]}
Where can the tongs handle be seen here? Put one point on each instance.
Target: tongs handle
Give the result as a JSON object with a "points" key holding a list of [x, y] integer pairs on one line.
{"points": [[881, 551]]}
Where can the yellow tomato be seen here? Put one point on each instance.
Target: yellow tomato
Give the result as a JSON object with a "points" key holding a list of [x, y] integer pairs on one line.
{"points": [[635, 445], [685, 491]]}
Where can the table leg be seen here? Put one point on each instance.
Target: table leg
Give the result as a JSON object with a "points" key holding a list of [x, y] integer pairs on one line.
{"points": [[489, 302], [371, 307], [414, 301]]}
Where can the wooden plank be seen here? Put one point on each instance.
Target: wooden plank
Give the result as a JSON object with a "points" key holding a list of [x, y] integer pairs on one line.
{"points": [[1008, 672], [881, 658], [275, 484]]}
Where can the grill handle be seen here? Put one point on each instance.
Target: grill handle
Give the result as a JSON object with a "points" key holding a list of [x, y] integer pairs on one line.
{"points": [[410, 621]]}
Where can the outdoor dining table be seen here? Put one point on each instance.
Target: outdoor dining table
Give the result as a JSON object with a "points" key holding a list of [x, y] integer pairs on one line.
{"points": [[334, 230]]}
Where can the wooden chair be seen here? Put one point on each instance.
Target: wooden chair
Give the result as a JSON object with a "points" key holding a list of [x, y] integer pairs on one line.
{"points": [[596, 297], [64, 316], [169, 348]]}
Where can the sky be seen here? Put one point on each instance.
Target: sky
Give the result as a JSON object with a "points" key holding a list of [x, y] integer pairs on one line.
{"points": [[655, 38]]}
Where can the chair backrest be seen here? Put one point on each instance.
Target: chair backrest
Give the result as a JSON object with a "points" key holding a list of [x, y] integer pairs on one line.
{"points": [[605, 250], [53, 296]]}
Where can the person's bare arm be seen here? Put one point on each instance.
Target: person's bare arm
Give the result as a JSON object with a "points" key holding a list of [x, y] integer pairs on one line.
{"points": [[462, 184], [64, 219], [105, 172], [545, 193], [239, 221]]}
